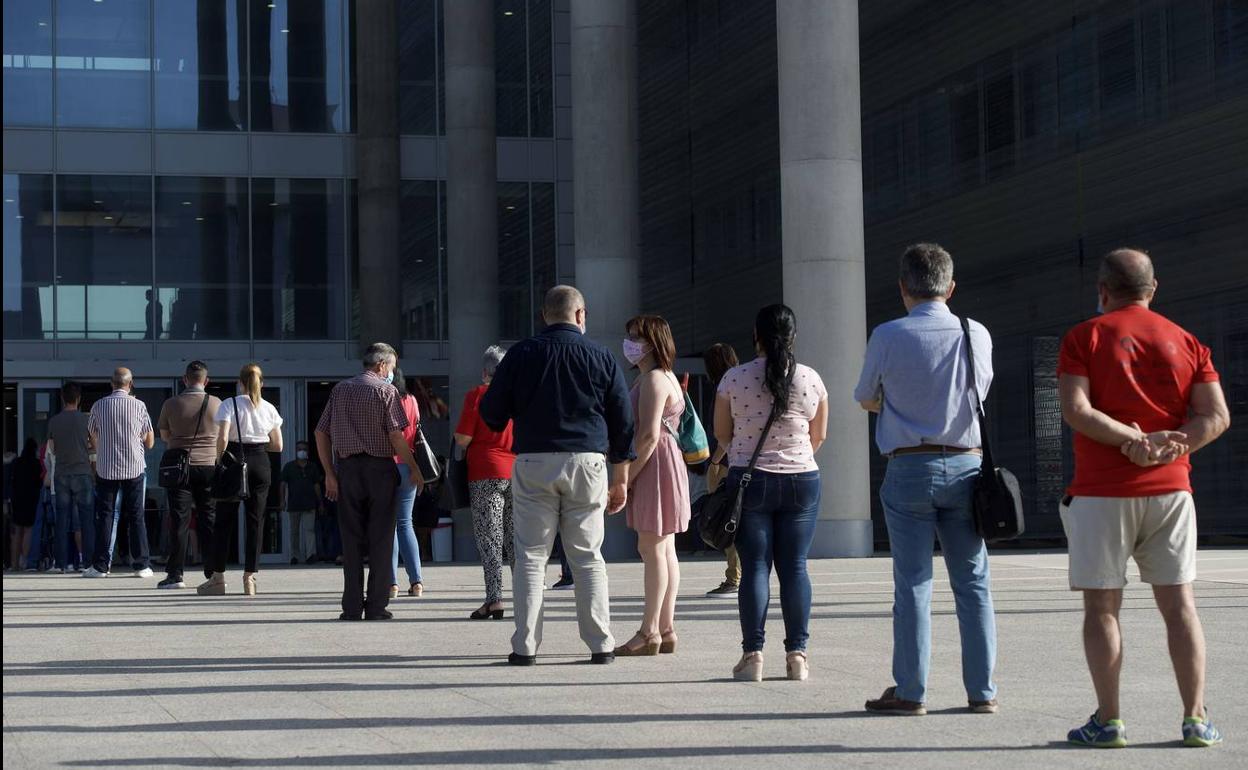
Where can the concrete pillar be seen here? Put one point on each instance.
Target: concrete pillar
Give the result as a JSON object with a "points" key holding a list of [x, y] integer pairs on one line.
{"points": [[822, 233], [604, 164], [471, 206], [604, 184], [377, 168]]}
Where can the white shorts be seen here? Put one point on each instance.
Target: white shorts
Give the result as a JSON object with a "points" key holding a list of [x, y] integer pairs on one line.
{"points": [[1159, 532]]}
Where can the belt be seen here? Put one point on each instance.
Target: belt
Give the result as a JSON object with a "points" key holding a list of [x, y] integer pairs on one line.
{"points": [[935, 449]]}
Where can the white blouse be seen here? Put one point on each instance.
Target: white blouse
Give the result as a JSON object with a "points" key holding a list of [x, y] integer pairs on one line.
{"points": [[256, 421]]}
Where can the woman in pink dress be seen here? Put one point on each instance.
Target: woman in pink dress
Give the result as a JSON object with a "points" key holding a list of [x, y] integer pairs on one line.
{"points": [[658, 496]]}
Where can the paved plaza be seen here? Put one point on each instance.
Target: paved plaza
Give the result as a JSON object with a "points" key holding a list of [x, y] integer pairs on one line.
{"points": [[112, 673]]}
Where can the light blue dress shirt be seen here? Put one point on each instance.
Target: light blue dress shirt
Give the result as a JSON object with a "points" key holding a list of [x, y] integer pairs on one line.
{"points": [[918, 364]]}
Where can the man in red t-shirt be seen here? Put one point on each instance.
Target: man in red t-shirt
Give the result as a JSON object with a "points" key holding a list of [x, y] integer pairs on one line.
{"points": [[1142, 395]]}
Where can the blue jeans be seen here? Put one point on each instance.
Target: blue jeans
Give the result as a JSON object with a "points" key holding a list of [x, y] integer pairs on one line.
{"points": [[128, 494], [924, 497], [404, 534], [777, 526], [42, 511], [75, 505]]}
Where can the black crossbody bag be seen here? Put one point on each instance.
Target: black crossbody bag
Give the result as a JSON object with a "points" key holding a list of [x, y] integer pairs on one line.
{"points": [[998, 501], [229, 481], [175, 464], [721, 510]]}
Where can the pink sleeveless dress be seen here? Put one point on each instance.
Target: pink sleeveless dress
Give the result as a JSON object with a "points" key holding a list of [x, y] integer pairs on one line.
{"points": [[659, 500]]}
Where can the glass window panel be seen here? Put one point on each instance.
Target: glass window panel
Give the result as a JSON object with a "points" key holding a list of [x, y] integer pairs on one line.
{"points": [[421, 271], [201, 258], [513, 260], [104, 259], [298, 259], [297, 66], [511, 68], [418, 65], [541, 70], [441, 82], [27, 63], [103, 65], [27, 256], [545, 266], [1117, 67], [1075, 72], [201, 55]]}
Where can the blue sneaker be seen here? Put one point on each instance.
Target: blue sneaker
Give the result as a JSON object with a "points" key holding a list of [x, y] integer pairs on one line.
{"points": [[1200, 733], [1111, 735]]}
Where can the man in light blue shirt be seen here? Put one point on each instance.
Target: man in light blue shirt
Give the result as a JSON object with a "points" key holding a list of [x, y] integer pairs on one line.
{"points": [[916, 378]]}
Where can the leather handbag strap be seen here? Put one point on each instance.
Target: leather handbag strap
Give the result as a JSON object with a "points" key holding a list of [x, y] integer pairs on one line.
{"points": [[974, 388], [771, 419], [237, 425], [199, 423]]}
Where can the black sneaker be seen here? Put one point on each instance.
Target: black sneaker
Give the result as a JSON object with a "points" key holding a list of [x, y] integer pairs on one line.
{"points": [[725, 589], [517, 659], [602, 658], [172, 581], [294, 560], [562, 584], [383, 615]]}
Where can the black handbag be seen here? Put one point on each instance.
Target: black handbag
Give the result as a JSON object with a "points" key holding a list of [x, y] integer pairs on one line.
{"points": [[998, 501], [426, 460], [457, 480], [721, 510], [229, 481], [175, 464]]}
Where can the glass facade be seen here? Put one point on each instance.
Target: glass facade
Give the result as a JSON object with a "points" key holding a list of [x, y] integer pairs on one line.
{"points": [[28, 256], [103, 63], [422, 249], [201, 65], [27, 62], [298, 66]]}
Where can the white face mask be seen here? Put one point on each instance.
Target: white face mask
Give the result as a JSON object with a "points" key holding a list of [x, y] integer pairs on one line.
{"points": [[635, 351], [302, 454]]}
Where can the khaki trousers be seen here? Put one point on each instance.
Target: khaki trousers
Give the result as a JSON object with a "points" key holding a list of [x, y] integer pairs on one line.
{"points": [[562, 492]]}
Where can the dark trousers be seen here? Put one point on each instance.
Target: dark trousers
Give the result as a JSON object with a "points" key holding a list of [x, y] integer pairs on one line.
{"points": [[259, 478], [328, 540], [197, 492], [131, 490], [366, 489]]}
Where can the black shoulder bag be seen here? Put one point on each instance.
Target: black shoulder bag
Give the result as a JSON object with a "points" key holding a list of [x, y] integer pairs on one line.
{"points": [[175, 464], [229, 481], [721, 510], [998, 502]]}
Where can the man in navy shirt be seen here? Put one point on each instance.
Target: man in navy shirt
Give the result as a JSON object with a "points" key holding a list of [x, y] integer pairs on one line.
{"points": [[571, 415]]}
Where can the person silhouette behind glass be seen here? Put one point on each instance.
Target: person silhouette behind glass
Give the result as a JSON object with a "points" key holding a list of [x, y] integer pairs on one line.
{"points": [[155, 317]]}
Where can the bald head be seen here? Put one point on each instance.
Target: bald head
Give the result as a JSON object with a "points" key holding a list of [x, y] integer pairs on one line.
{"points": [[1126, 275], [122, 378], [562, 304]]}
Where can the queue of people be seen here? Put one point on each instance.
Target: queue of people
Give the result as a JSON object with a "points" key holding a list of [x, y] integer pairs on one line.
{"points": [[555, 441]]}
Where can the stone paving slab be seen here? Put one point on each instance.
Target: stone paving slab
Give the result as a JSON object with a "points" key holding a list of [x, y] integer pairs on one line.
{"points": [[113, 673]]}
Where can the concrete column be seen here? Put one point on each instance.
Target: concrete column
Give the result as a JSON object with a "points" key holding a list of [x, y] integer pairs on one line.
{"points": [[604, 164], [824, 282], [604, 184], [471, 207], [471, 191], [377, 167]]}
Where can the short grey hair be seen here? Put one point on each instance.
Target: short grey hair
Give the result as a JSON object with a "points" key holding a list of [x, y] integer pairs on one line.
{"points": [[562, 302], [379, 353], [122, 377], [926, 271], [1127, 274], [492, 358]]}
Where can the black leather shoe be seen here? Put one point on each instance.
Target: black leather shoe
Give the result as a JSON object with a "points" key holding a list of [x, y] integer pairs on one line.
{"points": [[602, 658], [522, 660], [383, 615], [349, 616]]}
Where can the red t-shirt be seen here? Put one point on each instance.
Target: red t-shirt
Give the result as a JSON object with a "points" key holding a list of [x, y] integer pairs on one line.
{"points": [[489, 454], [411, 410], [1141, 367]]}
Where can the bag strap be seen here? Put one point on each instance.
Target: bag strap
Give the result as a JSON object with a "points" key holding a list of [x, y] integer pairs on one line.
{"points": [[771, 419], [985, 444], [199, 423], [237, 425]]}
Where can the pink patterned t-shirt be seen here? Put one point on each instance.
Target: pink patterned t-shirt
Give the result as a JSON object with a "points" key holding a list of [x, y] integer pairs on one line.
{"points": [[787, 448]]}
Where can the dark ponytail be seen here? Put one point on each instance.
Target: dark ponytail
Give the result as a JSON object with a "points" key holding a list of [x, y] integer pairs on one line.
{"points": [[775, 327]]}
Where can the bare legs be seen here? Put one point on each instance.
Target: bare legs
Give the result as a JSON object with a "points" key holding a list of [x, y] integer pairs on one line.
{"points": [[662, 581], [1102, 644]]}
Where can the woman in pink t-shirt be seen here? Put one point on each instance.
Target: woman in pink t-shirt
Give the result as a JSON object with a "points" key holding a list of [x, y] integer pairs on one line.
{"points": [[782, 499]]}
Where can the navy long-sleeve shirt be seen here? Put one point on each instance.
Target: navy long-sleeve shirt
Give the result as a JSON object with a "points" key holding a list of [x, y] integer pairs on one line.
{"points": [[563, 393]]}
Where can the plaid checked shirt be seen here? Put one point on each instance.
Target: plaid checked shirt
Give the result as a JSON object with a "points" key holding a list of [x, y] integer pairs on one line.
{"points": [[361, 414]]}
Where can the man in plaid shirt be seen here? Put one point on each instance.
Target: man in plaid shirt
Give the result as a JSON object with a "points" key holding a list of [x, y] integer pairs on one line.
{"points": [[362, 429]]}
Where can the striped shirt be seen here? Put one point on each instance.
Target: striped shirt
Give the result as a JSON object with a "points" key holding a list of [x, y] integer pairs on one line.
{"points": [[119, 422]]}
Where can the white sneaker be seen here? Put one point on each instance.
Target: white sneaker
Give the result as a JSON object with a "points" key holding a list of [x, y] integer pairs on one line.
{"points": [[62, 571], [92, 572], [146, 572]]}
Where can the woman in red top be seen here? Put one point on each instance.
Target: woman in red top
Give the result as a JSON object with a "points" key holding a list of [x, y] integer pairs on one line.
{"points": [[405, 499], [489, 487]]}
